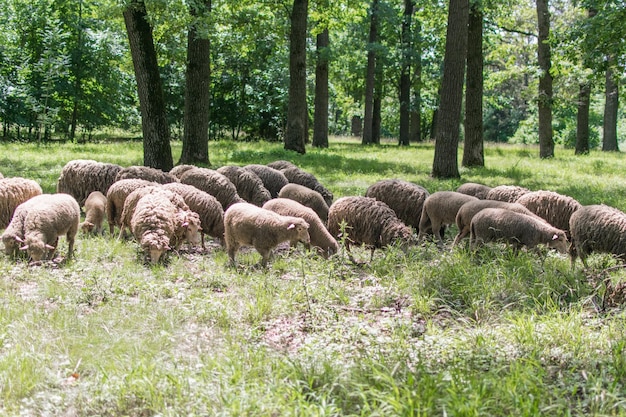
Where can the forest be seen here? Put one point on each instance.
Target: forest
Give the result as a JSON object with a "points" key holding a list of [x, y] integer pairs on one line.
{"points": [[520, 71]]}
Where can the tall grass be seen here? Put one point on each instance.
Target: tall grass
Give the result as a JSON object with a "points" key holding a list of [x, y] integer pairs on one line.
{"points": [[427, 332]]}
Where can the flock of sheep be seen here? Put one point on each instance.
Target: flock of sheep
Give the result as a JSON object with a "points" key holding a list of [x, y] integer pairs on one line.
{"points": [[265, 205]]}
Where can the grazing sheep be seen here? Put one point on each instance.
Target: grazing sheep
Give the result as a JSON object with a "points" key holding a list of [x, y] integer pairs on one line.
{"points": [[440, 209], [306, 197], [248, 225], [475, 189], [208, 208], [273, 179], [95, 207], [404, 197], [13, 192], [553, 207], [47, 217], [497, 224], [368, 221], [508, 193], [597, 228], [298, 176], [281, 164], [82, 176], [214, 183], [249, 185], [468, 210], [179, 170], [145, 173], [116, 196], [153, 225], [13, 236], [321, 239]]}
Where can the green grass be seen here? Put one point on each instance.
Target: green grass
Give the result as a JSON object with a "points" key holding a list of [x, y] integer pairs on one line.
{"points": [[424, 333]]}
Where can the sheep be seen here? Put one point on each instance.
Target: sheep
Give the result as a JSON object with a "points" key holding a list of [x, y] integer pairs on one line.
{"points": [[468, 211], [555, 208], [47, 217], [248, 184], [298, 176], [440, 209], [368, 221], [95, 207], [153, 225], [208, 208], [13, 192], [146, 173], [248, 225], [498, 224], [273, 179], [116, 196], [472, 188], [214, 183], [13, 236], [307, 197], [321, 239], [404, 197], [597, 228], [508, 193], [281, 164], [179, 170], [82, 176]]}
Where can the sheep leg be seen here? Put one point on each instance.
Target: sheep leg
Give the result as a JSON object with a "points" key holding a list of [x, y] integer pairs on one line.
{"points": [[459, 236], [437, 232], [265, 256], [232, 249]]}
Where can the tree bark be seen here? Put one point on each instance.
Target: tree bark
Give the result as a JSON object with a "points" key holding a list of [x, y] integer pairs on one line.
{"points": [[320, 118], [582, 119], [157, 152], [609, 135], [197, 89], [296, 134], [546, 141], [416, 109], [370, 77], [445, 163], [473, 153], [405, 75]]}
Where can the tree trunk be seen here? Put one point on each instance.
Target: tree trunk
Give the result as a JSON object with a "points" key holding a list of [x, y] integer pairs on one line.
{"points": [[473, 153], [416, 109], [582, 119], [320, 124], [609, 136], [296, 134], [546, 141], [78, 73], [157, 152], [405, 75], [197, 89], [445, 163], [370, 77]]}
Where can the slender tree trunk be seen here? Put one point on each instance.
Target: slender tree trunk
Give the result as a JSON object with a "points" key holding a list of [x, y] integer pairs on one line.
{"points": [[320, 123], [416, 109], [609, 136], [445, 163], [473, 153], [370, 77], [377, 109], [296, 134], [197, 89], [405, 75], [78, 72], [157, 152], [546, 141], [582, 119]]}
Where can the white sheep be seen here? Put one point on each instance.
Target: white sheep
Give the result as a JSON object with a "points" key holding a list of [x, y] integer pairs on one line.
{"points": [[13, 192], [153, 225], [95, 209], [440, 209]]}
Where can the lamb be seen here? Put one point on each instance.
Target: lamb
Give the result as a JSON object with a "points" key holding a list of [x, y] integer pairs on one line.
{"points": [[248, 184], [321, 239], [179, 170], [47, 217], [82, 176], [281, 164], [13, 192], [116, 196], [248, 225], [205, 205], [306, 197], [555, 208], [440, 209], [404, 197], [153, 225], [298, 176], [146, 173], [597, 228], [95, 207], [497, 224], [508, 193], [472, 188], [368, 221], [214, 183], [273, 179]]}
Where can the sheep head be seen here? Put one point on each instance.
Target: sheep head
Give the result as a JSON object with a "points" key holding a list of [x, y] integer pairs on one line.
{"points": [[300, 229], [559, 242], [155, 245], [37, 249], [188, 222], [86, 227]]}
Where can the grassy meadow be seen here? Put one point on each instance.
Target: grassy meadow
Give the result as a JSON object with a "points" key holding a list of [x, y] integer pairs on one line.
{"points": [[426, 333]]}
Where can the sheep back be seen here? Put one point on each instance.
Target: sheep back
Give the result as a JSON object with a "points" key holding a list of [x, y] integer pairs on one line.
{"points": [[214, 183], [440, 209], [273, 179], [179, 170], [146, 173], [475, 189], [80, 177], [248, 184], [95, 208], [130, 204], [116, 196], [508, 193], [597, 228], [405, 198], [553, 207], [281, 164], [298, 176], [13, 192], [306, 197]]}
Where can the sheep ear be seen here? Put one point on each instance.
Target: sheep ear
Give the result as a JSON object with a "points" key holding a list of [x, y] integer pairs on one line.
{"points": [[49, 247], [186, 224], [18, 239], [291, 226], [555, 237], [25, 247]]}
